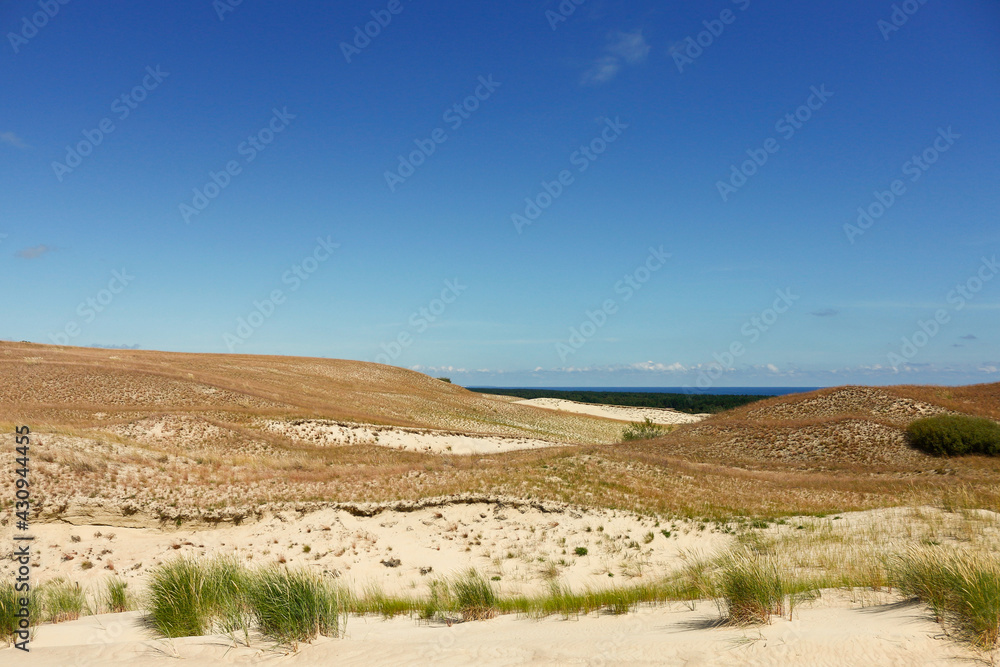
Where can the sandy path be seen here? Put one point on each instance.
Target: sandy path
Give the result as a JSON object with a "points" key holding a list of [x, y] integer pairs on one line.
{"points": [[832, 631], [621, 412]]}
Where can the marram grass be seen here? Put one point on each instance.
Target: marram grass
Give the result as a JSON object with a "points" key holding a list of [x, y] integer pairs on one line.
{"points": [[962, 587]]}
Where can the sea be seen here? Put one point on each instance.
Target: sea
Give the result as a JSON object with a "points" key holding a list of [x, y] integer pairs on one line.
{"points": [[744, 391]]}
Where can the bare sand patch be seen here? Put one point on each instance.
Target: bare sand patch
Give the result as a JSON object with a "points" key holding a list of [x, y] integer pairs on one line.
{"points": [[619, 412], [326, 433], [832, 631]]}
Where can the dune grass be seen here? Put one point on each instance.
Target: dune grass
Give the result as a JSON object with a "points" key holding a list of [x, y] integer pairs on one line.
{"points": [[116, 596], [295, 605], [752, 588], [9, 607], [474, 596], [62, 600], [962, 587]]}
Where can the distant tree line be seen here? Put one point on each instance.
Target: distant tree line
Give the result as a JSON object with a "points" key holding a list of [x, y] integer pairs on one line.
{"points": [[690, 403]]}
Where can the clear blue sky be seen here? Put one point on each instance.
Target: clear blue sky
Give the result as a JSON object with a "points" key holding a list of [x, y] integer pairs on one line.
{"points": [[662, 120]]}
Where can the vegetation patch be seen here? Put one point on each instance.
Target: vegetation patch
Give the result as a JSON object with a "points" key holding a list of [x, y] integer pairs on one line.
{"points": [[645, 430], [962, 587], [955, 435]]}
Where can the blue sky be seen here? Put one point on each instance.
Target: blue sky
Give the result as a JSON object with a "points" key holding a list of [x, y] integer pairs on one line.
{"points": [[628, 194]]}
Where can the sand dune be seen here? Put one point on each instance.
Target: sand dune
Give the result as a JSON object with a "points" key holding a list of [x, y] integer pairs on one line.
{"points": [[621, 412]]}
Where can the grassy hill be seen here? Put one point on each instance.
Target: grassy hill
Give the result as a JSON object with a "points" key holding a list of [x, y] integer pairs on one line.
{"points": [[136, 436]]}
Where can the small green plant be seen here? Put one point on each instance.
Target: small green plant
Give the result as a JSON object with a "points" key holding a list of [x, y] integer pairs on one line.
{"points": [[955, 435], [62, 601], [116, 596], [644, 430], [580, 551], [474, 596], [648, 537], [10, 607]]}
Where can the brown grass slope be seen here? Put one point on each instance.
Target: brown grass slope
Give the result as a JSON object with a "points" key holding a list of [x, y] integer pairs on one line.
{"points": [[84, 388], [828, 428]]}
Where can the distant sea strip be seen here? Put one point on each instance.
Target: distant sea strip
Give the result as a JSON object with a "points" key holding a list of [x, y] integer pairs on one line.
{"points": [[677, 398]]}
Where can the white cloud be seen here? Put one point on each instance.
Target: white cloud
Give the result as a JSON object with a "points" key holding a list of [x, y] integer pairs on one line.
{"points": [[622, 48], [12, 139], [629, 46]]}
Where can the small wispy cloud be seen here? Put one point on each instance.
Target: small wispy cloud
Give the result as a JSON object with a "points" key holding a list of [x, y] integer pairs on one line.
{"points": [[629, 46], [969, 337], [602, 71], [622, 48], [825, 312], [34, 251], [115, 347], [12, 139]]}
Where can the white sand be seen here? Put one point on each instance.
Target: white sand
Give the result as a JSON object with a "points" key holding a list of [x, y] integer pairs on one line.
{"points": [[522, 545], [334, 434], [832, 631], [520, 542], [620, 412]]}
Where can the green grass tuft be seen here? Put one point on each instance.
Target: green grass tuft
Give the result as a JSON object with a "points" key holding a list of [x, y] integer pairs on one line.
{"points": [[296, 605], [752, 588], [475, 597]]}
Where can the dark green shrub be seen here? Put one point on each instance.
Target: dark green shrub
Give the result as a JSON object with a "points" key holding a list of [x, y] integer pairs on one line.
{"points": [[955, 435]]}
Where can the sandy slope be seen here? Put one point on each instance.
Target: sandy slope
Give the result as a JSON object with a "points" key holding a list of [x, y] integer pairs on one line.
{"points": [[830, 631], [622, 412], [522, 544]]}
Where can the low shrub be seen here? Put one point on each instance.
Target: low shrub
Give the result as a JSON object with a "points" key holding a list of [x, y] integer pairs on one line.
{"points": [[955, 435], [644, 430]]}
